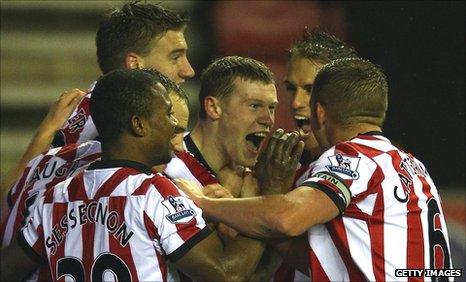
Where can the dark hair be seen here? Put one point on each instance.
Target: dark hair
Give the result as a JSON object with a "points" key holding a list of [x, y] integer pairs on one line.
{"points": [[322, 47], [119, 95], [217, 79], [353, 90], [131, 29]]}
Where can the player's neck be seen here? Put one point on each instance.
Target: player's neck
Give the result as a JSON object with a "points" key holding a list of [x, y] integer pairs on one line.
{"points": [[205, 139], [344, 133], [130, 151]]}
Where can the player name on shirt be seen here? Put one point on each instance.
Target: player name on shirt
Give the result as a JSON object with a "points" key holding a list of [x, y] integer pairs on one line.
{"points": [[89, 213], [50, 170]]}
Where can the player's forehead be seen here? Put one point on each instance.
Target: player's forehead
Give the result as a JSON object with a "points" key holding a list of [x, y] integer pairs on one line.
{"points": [[254, 90], [172, 40], [302, 70]]}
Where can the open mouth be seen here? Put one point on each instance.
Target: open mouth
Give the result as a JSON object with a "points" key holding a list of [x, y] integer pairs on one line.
{"points": [[255, 139], [301, 121]]}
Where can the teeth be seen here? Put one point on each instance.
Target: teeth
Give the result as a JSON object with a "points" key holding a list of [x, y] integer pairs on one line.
{"points": [[260, 134], [300, 118]]}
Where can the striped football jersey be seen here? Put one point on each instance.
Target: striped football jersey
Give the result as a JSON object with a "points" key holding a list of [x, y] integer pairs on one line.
{"points": [[79, 127], [185, 165], [41, 173], [114, 221], [394, 219]]}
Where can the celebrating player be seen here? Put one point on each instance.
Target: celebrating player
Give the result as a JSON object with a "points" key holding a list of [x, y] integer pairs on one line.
{"points": [[138, 35], [237, 104], [306, 58], [118, 221], [369, 208]]}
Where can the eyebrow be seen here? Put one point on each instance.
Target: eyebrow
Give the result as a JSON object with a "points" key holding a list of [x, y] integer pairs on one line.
{"points": [[305, 86], [261, 102], [179, 50]]}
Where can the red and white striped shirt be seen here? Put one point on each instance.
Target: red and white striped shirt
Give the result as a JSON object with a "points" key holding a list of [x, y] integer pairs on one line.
{"points": [[394, 219], [79, 128], [186, 166], [41, 173], [114, 221]]}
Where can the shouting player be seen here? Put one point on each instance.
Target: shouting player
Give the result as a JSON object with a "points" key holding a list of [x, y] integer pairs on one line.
{"points": [[306, 58], [368, 207]]}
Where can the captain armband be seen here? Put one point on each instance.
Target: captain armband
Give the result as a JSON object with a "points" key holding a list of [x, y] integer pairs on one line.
{"points": [[333, 186]]}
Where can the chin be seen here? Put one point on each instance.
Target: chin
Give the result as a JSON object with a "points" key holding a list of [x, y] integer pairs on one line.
{"points": [[247, 163]]}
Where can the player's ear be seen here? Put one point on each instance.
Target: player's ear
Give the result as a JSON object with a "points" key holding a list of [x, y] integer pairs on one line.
{"points": [[138, 126], [321, 115], [212, 107], [133, 61]]}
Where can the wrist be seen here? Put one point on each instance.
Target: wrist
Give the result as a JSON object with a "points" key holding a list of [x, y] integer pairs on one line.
{"points": [[270, 188], [47, 130]]}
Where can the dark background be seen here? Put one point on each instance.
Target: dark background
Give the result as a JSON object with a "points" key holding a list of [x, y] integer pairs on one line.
{"points": [[48, 46], [421, 47]]}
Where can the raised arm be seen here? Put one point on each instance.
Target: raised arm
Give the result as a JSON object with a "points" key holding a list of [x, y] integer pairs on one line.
{"points": [[57, 115]]}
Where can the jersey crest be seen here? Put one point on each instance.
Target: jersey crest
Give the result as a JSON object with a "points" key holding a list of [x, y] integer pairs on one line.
{"points": [[179, 210], [345, 165]]}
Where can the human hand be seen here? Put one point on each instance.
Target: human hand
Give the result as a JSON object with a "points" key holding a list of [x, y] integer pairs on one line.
{"points": [[190, 188], [277, 164], [216, 191], [225, 232], [250, 185], [61, 110]]}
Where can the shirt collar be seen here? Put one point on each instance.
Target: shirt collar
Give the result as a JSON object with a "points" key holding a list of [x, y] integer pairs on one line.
{"points": [[120, 163], [192, 148]]}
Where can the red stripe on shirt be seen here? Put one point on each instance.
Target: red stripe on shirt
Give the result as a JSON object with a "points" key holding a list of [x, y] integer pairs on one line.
{"points": [[336, 229], [142, 189], [415, 244], [76, 189], [199, 171], [87, 237], [39, 244], [124, 252], [317, 271], [153, 233], [18, 188], [72, 137], [112, 183], [376, 233], [58, 211], [371, 152], [68, 152], [91, 157]]}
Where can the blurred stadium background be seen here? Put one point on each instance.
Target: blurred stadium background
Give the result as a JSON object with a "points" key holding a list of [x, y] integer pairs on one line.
{"points": [[48, 47]]}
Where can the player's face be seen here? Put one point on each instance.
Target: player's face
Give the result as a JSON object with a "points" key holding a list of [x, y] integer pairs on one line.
{"points": [[247, 116], [181, 113], [299, 81], [168, 56], [162, 125]]}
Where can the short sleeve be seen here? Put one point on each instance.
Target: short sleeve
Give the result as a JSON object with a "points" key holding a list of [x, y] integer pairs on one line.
{"points": [[177, 220], [31, 236], [342, 173]]}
